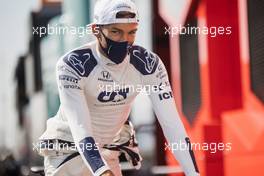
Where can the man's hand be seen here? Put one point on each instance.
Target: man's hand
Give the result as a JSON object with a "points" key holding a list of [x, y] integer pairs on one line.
{"points": [[108, 173]]}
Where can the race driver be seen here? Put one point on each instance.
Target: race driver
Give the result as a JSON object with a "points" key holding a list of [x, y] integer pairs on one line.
{"points": [[97, 85]]}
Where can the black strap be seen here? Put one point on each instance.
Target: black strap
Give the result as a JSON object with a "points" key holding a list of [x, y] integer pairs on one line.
{"points": [[123, 148], [191, 154], [133, 155], [69, 158]]}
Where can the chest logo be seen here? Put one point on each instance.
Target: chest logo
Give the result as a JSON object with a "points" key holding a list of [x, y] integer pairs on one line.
{"points": [[115, 96], [105, 77]]}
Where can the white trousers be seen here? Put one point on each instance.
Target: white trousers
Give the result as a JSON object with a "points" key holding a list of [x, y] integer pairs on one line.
{"points": [[77, 167]]}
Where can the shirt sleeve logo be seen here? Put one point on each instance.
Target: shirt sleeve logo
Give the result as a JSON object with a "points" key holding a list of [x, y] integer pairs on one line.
{"points": [[78, 63], [148, 59]]}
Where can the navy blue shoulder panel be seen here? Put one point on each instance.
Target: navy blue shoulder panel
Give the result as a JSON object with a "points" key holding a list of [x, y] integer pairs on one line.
{"points": [[143, 60], [82, 61]]}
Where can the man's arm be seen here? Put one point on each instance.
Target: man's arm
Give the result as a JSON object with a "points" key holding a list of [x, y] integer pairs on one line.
{"points": [[75, 109], [169, 119]]}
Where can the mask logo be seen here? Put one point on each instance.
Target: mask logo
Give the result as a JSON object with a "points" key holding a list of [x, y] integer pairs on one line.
{"points": [[115, 96]]}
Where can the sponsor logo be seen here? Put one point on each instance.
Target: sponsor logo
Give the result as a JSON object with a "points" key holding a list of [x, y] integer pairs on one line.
{"points": [[165, 95], [106, 74], [166, 83], [162, 72], [63, 69], [68, 78], [71, 87], [115, 96], [160, 68], [161, 75], [106, 77]]}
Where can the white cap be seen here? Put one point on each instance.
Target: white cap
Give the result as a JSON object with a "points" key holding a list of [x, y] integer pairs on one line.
{"points": [[105, 11]]}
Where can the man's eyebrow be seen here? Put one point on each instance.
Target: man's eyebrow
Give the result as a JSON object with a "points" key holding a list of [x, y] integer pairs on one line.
{"points": [[133, 30], [115, 28]]}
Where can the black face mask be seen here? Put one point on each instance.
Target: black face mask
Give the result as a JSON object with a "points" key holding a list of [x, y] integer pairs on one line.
{"points": [[115, 51]]}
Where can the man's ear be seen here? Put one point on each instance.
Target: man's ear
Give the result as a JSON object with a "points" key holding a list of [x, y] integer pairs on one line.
{"points": [[96, 31]]}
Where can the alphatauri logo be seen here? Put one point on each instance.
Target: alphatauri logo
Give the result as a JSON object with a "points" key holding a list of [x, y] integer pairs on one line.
{"points": [[115, 96]]}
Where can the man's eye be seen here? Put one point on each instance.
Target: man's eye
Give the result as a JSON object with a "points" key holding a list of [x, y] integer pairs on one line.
{"points": [[115, 32], [133, 32]]}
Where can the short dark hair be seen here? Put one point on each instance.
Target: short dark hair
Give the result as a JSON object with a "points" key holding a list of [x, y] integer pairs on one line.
{"points": [[125, 14]]}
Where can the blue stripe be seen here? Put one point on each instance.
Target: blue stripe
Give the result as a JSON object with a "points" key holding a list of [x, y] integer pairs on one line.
{"points": [[91, 153]]}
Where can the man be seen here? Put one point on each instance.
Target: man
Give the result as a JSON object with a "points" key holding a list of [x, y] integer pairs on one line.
{"points": [[94, 117]]}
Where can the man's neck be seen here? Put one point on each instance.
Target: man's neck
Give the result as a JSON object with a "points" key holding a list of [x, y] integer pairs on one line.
{"points": [[101, 50]]}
